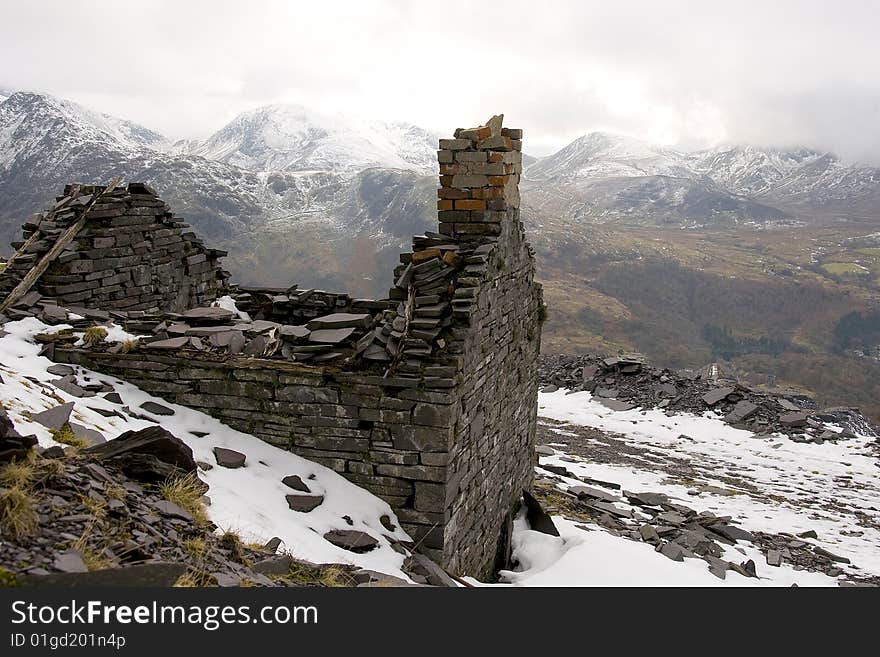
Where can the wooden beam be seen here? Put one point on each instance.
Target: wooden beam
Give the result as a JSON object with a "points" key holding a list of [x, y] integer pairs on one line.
{"points": [[67, 200], [63, 240]]}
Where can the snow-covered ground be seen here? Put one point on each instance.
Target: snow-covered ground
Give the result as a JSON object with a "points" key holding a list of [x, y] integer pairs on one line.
{"points": [[249, 500], [767, 484]]}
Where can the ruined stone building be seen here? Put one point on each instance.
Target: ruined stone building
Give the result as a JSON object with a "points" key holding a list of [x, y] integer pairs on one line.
{"points": [[427, 398]]}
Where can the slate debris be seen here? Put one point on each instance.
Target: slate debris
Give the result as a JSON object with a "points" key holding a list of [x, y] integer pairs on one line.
{"points": [[157, 409], [296, 483], [54, 418], [304, 503], [626, 381], [150, 455], [679, 532]]}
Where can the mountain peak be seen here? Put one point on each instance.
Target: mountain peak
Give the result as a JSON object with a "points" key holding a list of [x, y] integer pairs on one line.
{"points": [[608, 155], [37, 114], [289, 137]]}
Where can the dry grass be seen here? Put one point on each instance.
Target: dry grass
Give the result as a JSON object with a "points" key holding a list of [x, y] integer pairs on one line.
{"points": [[18, 517], [186, 492], [65, 436], [195, 579], [114, 491], [302, 575], [21, 473], [129, 345], [94, 335], [196, 547]]}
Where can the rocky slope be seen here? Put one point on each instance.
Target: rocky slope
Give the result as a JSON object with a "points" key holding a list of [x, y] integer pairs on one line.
{"points": [[657, 478]]}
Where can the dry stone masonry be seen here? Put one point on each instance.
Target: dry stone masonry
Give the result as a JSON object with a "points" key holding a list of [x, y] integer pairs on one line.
{"points": [[131, 253], [427, 398]]}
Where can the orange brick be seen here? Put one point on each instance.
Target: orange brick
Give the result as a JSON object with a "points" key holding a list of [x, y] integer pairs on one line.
{"points": [[446, 181], [497, 181], [451, 192], [493, 192], [452, 259], [427, 254], [444, 204], [495, 157], [470, 204]]}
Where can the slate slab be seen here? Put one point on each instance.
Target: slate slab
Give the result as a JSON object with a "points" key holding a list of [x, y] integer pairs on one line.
{"points": [[719, 394], [537, 518], [90, 436], [793, 420], [170, 344], [304, 503], [56, 417], [156, 409], [742, 411], [351, 540], [207, 315], [616, 404], [229, 458], [296, 483], [140, 575], [331, 336], [70, 561], [340, 321], [588, 492]]}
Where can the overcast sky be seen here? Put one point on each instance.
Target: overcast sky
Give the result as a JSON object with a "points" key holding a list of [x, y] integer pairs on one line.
{"points": [[679, 73]]}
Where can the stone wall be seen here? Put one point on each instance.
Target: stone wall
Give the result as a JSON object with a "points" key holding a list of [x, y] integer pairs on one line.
{"points": [[427, 399], [132, 253], [497, 339]]}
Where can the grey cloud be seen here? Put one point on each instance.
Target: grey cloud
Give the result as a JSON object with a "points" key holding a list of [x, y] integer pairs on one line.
{"points": [[691, 73]]}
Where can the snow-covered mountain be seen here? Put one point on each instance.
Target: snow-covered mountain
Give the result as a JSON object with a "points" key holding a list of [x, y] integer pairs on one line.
{"points": [[29, 119], [46, 142], [295, 138], [290, 186], [742, 183], [603, 155]]}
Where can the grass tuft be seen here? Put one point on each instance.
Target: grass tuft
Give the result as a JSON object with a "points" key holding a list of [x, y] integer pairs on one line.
{"points": [[301, 574], [195, 579], [18, 517], [186, 492], [196, 547], [65, 436], [129, 345], [94, 335], [20, 473]]}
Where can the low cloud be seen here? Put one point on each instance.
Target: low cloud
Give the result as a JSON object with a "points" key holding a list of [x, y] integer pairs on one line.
{"points": [[680, 73]]}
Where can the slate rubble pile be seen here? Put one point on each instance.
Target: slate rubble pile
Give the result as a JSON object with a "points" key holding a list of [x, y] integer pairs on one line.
{"points": [[627, 382], [675, 530]]}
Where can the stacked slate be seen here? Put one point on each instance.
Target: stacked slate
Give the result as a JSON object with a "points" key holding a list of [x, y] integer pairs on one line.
{"points": [[131, 253], [294, 306]]}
